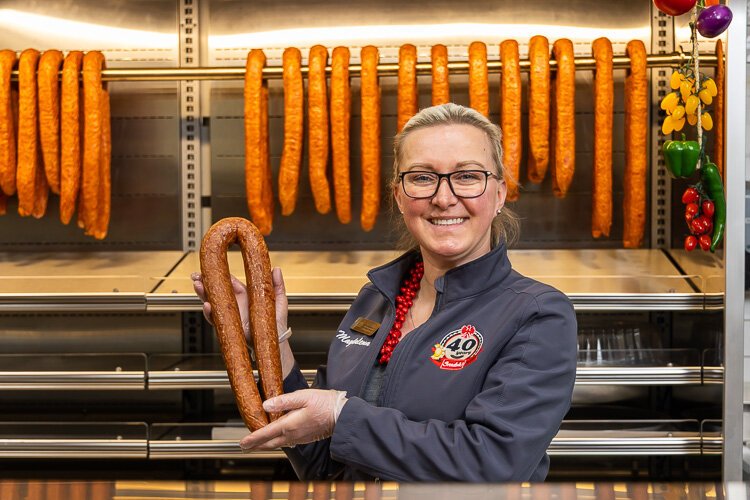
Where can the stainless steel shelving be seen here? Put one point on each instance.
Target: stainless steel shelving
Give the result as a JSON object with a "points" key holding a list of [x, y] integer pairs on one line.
{"points": [[153, 282], [612, 280], [74, 440], [178, 379], [162, 441]]}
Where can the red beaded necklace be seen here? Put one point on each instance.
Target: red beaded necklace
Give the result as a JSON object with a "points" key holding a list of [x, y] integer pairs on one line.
{"points": [[404, 301]]}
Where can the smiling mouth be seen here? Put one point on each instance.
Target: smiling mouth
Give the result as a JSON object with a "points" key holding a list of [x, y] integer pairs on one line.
{"points": [[447, 222]]}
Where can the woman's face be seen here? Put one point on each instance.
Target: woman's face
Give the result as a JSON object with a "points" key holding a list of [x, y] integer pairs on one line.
{"points": [[450, 230]]}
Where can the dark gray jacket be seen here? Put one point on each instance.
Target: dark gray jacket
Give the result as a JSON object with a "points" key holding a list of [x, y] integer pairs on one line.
{"points": [[475, 394]]}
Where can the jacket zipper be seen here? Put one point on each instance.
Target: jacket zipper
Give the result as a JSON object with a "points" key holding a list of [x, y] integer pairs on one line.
{"points": [[406, 344]]}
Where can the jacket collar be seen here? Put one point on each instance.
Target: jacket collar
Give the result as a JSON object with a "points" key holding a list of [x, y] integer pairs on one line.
{"points": [[460, 282]]}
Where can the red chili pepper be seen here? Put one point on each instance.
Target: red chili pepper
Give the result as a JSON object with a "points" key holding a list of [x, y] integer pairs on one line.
{"points": [[705, 242], [690, 243], [708, 208], [691, 195], [692, 210], [709, 3]]}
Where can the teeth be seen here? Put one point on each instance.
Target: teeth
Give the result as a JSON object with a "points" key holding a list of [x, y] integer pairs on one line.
{"points": [[447, 222]]}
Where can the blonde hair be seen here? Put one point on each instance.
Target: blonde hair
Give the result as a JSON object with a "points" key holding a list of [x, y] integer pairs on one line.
{"points": [[505, 227]]}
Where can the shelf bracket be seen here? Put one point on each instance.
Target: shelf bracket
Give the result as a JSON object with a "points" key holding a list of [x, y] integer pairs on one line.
{"points": [[190, 140], [662, 42]]}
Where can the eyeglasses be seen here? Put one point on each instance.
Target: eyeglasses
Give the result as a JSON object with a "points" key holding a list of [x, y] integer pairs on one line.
{"points": [[463, 183]]}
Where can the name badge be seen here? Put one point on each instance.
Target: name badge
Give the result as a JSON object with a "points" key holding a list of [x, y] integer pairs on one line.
{"points": [[365, 326]]}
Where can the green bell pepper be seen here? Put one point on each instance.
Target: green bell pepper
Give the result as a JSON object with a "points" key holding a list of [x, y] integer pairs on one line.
{"points": [[681, 157], [714, 187]]}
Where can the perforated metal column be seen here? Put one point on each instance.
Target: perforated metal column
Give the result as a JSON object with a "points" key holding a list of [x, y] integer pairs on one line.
{"points": [[190, 127], [662, 42]]}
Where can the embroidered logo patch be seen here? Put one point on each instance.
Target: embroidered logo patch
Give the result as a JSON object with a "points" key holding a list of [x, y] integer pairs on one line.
{"points": [[458, 349]]}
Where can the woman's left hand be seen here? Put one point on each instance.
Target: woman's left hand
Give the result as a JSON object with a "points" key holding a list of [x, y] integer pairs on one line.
{"points": [[312, 416]]}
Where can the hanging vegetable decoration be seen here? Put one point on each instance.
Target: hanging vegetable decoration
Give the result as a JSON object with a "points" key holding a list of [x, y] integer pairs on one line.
{"points": [[674, 7], [713, 20], [681, 157], [692, 92]]}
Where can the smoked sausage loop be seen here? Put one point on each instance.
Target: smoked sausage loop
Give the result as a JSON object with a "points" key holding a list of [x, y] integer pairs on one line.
{"points": [[226, 315]]}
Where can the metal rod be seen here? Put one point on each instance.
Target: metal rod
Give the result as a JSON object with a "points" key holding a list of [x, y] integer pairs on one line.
{"points": [[391, 69]]}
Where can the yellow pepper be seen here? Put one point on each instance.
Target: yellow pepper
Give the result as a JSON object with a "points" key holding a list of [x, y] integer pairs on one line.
{"points": [[692, 119], [709, 85], [685, 90], [707, 122], [691, 104], [705, 96], [678, 113], [670, 101], [678, 124], [675, 80], [667, 126]]}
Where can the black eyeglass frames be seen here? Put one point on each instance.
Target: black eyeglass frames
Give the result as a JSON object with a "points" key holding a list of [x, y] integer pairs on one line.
{"points": [[419, 184]]}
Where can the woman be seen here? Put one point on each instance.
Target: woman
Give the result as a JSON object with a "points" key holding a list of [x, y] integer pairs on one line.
{"points": [[449, 366]]}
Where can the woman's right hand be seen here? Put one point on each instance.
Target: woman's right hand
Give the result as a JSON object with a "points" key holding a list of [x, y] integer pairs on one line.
{"points": [[240, 295]]}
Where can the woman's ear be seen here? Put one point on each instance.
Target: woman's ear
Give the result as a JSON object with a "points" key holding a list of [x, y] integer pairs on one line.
{"points": [[397, 197], [502, 192]]}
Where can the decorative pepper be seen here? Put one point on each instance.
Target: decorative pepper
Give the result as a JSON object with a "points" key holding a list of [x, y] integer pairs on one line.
{"points": [[681, 157], [714, 186]]}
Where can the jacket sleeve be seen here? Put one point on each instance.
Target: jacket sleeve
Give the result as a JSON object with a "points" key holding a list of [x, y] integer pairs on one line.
{"points": [[310, 461], [506, 428]]}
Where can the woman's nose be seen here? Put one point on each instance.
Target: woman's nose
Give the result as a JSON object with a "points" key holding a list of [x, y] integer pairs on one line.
{"points": [[444, 196]]}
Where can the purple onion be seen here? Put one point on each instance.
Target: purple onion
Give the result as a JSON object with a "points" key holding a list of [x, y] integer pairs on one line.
{"points": [[713, 20]]}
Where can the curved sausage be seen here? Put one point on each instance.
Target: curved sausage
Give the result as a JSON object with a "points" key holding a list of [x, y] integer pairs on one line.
{"points": [[226, 316], [539, 80], [510, 114], [93, 63], [370, 92], [564, 122], [341, 104], [407, 84], [254, 166], [479, 93], [718, 156], [70, 135], [27, 156], [603, 108], [317, 130], [291, 156], [7, 125], [636, 143], [441, 93], [49, 115]]}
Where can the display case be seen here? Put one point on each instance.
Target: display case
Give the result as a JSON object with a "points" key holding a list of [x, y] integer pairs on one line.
{"points": [[106, 353]]}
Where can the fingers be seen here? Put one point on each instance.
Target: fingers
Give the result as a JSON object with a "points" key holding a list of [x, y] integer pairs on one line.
{"points": [[278, 281], [279, 288], [200, 291], [286, 402], [238, 287], [207, 312], [261, 438], [282, 303], [273, 444]]}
